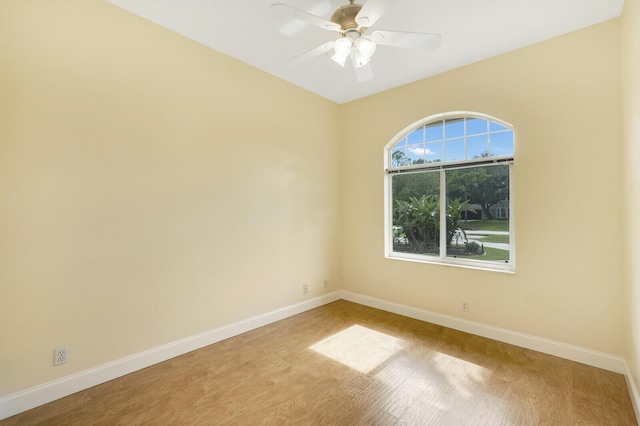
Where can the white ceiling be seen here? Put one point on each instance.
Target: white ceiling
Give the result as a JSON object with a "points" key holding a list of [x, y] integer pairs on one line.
{"points": [[471, 30]]}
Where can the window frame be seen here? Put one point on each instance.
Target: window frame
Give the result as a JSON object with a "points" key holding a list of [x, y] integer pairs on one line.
{"points": [[441, 168]]}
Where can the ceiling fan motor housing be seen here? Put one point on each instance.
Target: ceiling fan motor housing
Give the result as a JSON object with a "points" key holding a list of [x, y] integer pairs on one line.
{"points": [[346, 16]]}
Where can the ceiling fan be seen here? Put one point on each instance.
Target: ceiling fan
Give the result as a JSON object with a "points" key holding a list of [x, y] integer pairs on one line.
{"points": [[351, 22]]}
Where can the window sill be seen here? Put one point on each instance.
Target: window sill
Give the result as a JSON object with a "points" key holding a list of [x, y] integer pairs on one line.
{"points": [[456, 262]]}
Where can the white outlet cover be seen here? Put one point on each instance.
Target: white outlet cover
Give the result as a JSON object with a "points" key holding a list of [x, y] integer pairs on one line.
{"points": [[60, 356]]}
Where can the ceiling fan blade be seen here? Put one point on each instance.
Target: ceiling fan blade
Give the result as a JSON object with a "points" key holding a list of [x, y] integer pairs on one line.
{"points": [[372, 11], [363, 72], [306, 17], [324, 48], [424, 41]]}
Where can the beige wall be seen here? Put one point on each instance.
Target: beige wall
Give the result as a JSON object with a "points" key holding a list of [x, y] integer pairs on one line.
{"points": [[563, 97], [631, 113], [150, 188]]}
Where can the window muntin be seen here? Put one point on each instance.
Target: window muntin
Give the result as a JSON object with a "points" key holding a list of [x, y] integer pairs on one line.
{"points": [[466, 160], [452, 140]]}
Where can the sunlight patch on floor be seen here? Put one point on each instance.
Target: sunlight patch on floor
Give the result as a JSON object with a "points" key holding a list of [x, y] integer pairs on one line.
{"points": [[461, 375], [359, 347]]}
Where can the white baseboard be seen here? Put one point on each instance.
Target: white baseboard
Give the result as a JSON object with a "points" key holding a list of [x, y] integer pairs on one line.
{"points": [[42, 394], [551, 347]]}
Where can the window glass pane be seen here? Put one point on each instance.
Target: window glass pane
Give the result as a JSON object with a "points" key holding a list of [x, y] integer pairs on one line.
{"points": [[476, 126], [454, 150], [477, 146], [495, 127], [454, 128], [402, 142], [501, 143], [478, 213], [415, 137], [475, 229], [416, 153], [434, 152], [399, 158], [434, 131], [416, 213]]}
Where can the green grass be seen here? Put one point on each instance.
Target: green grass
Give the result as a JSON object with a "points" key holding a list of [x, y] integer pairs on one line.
{"points": [[486, 225], [490, 254], [495, 254], [494, 239]]}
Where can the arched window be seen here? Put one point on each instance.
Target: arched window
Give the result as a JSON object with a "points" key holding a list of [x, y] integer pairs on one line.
{"points": [[449, 192]]}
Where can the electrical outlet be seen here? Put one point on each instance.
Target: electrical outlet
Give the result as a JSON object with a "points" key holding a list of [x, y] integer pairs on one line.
{"points": [[465, 306], [325, 285], [60, 356], [305, 288]]}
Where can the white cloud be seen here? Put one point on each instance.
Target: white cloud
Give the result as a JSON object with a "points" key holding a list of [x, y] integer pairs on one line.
{"points": [[421, 152]]}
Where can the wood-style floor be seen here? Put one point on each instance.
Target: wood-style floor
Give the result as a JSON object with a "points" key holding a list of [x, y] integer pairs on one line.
{"points": [[347, 364]]}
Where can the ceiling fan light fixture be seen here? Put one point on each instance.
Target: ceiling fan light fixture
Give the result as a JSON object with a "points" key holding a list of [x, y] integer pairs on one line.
{"points": [[342, 46], [359, 59], [366, 47], [340, 59], [342, 49]]}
